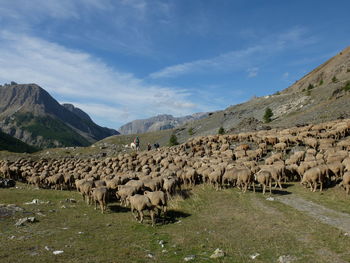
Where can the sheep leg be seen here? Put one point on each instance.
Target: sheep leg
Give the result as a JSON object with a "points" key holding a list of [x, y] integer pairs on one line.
{"points": [[141, 216], [264, 188]]}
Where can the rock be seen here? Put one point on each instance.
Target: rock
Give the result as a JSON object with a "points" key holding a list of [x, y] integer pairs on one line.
{"points": [[21, 221], [150, 255], [57, 252], [161, 243], [286, 259], [70, 200], [189, 258], [218, 253], [270, 199], [254, 256]]}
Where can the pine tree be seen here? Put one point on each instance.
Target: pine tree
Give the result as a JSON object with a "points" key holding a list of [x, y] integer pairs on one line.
{"points": [[268, 114], [173, 140], [221, 130]]}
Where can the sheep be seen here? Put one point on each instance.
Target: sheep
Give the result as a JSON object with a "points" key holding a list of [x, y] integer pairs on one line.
{"points": [[124, 192], [99, 195], [264, 178], [140, 203], [346, 182], [85, 189], [244, 178], [312, 177], [158, 200]]}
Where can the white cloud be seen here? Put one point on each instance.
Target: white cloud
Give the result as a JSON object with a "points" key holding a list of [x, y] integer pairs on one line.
{"points": [[243, 58], [252, 72], [76, 76]]}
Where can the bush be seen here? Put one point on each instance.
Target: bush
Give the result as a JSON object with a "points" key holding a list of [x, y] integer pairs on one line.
{"points": [[221, 130], [310, 87], [334, 79], [173, 140], [321, 82], [347, 86], [268, 114], [308, 93], [190, 131]]}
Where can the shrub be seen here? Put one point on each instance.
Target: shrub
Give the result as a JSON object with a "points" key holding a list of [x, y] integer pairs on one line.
{"points": [[267, 116], [221, 130], [310, 87], [334, 79], [321, 82], [173, 140], [190, 131], [347, 86], [308, 93]]}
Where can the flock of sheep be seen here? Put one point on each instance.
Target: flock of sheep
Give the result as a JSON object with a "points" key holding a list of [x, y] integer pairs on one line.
{"points": [[316, 155]]}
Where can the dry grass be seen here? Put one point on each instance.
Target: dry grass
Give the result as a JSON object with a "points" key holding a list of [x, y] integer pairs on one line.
{"points": [[240, 224]]}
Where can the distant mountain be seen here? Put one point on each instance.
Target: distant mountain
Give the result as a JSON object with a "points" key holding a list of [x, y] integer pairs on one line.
{"points": [[30, 114], [159, 122], [11, 144]]}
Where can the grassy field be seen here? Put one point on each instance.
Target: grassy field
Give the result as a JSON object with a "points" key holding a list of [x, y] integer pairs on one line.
{"points": [[239, 224]]}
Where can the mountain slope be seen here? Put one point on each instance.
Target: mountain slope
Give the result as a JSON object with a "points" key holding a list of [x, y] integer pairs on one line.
{"points": [[321, 95], [29, 113], [157, 123], [11, 144]]}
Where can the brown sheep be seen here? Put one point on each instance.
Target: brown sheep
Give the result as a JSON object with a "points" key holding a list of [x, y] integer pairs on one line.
{"points": [[158, 200], [244, 178], [99, 195], [264, 178], [312, 177], [346, 182], [140, 203]]}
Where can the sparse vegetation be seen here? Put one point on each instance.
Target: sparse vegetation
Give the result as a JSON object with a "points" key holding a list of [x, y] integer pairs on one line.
{"points": [[347, 86], [221, 130], [173, 140], [310, 87], [334, 79], [277, 93], [308, 93], [190, 131], [268, 115], [321, 82], [348, 70]]}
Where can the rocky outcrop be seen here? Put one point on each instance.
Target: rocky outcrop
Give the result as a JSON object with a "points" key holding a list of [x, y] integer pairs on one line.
{"points": [[157, 123]]}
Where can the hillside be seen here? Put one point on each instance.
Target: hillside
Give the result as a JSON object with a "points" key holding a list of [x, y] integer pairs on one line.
{"points": [[30, 114], [11, 144], [321, 95], [157, 123]]}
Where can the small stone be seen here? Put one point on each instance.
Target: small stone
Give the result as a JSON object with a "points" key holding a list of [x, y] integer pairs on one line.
{"points": [[47, 248], [270, 199], [161, 243], [254, 256], [164, 251], [12, 237], [80, 233], [57, 252], [189, 258], [150, 255], [286, 259], [218, 253]]}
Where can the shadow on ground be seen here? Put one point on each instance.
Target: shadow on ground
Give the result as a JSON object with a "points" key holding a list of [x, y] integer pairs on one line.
{"points": [[171, 217]]}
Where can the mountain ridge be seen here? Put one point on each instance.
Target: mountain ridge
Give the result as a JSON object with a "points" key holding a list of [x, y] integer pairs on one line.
{"points": [[32, 103]]}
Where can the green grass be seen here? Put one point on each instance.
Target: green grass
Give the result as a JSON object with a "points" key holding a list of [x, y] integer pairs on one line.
{"points": [[240, 224]]}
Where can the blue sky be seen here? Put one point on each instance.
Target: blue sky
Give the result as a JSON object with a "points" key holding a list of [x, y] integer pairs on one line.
{"points": [[121, 60]]}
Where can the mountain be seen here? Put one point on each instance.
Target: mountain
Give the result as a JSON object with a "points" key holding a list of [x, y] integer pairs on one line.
{"points": [[321, 95], [11, 144], [30, 114], [159, 122]]}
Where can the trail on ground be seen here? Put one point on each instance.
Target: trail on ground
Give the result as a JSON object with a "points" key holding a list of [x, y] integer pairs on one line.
{"points": [[319, 212]]}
